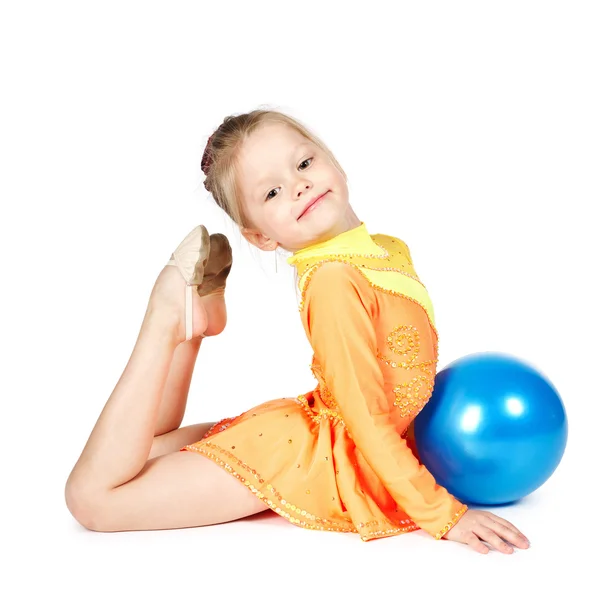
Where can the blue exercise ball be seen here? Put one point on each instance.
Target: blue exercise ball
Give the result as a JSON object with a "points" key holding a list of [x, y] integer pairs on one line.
{"points": [[493, 431]]}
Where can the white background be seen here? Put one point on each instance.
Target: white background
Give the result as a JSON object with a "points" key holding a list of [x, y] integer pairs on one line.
{"points": [[469, 129]]}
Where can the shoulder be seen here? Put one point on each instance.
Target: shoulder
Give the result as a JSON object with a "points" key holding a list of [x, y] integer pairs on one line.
{"points": [[387, 239], [335, 271], [393, 245], [336, 278]]}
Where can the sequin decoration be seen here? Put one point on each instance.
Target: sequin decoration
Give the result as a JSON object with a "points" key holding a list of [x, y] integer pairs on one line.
{"points": [[452, 523], [412, 396], [403, 341], [324, 413], [221, 425], [324, 393]]}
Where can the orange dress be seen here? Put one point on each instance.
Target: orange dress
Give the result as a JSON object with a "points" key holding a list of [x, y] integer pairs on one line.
{"points": [[341, 457]]}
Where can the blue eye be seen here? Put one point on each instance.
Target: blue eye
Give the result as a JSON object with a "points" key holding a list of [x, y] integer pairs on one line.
{"points": [[268, 197]]}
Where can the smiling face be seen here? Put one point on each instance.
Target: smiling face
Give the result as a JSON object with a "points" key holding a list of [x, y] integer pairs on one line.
{"points": [[280, 174]]}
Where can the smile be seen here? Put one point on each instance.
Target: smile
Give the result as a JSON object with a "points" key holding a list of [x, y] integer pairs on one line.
{"points": [[314, 205]]}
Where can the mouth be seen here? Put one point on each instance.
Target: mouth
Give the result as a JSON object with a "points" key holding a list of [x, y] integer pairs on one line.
{"points": [[313, 203]]}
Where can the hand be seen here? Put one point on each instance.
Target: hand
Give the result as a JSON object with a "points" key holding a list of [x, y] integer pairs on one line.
{"points": [[477, 526]]}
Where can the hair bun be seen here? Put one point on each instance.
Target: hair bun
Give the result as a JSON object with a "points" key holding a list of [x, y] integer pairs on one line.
{"points": [[207, 158]]}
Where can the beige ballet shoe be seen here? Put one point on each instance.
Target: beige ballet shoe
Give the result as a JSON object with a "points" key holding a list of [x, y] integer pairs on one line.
{"points": [[191, 258]]}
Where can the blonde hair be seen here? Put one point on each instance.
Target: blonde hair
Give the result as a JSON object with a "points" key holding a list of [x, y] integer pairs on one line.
{"points": [[221, 157]]}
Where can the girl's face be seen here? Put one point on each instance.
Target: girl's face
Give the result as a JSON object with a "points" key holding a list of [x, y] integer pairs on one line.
{"points": [[281, 173]]}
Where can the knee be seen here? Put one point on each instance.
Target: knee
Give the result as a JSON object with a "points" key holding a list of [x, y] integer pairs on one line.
{"points": [[84, 505]]}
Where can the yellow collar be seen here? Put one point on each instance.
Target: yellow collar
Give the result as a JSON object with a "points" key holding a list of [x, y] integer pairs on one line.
{"points": [[356, 241]]}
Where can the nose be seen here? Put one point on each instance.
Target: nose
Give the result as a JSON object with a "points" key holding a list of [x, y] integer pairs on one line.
{"points": [[305, 188]]}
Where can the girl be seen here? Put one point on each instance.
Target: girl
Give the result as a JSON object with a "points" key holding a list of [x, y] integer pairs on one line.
{"points": [[338, 458]]}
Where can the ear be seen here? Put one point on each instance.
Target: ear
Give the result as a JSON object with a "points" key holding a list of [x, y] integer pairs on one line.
{"points": [[256, 238]]}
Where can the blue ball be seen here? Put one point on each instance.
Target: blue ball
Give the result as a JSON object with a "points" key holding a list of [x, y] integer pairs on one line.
{"points": [[493, 431]]}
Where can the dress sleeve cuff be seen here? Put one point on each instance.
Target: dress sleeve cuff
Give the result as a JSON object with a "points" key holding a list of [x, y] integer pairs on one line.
{"points": [[452, 523]]}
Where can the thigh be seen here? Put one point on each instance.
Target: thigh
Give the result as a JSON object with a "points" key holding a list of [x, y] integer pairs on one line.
{"points": [[173, 491], [172, 441]]}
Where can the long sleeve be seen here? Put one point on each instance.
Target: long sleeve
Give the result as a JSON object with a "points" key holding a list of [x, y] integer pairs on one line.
{"points": [[338, 304]]}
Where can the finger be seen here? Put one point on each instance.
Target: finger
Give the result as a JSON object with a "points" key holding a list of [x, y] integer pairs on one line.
{"points": [[475, 543], [487, 516], [504, 522], [509, 532], [485, 533]]}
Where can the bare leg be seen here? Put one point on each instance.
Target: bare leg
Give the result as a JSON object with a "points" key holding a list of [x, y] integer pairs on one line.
{"points": [[172, 491], [168, 435], [172, 441], [113, 480], [120, 442], [175, 395], [177, 386]]}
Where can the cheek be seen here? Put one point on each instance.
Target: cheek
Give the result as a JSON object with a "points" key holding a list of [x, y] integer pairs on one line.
{"points": [[276, 219], [333, 176], [283, 220], [340, 179]]}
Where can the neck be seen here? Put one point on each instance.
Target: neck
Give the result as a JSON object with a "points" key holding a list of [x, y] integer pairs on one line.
{"points": [[347, 222], [355, 241], [351, 219]]}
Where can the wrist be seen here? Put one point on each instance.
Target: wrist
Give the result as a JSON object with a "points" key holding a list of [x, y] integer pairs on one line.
{"points": [[453, 521]]}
